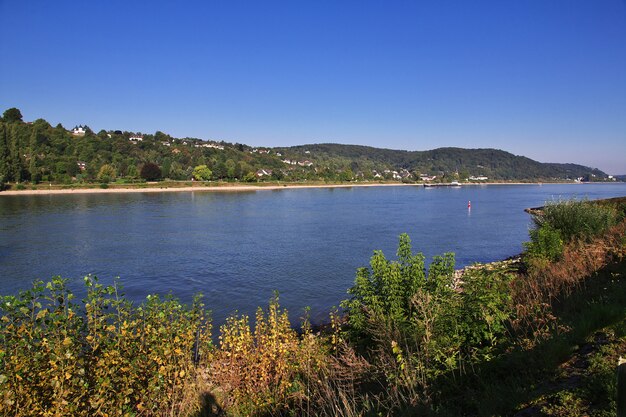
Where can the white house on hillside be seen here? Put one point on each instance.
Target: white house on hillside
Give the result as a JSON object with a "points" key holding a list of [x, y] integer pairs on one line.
{"points": [[78, 131], [263, 173]]}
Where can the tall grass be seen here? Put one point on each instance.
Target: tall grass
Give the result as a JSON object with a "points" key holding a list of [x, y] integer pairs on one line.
{"points": [[571, 241], [576, 219]]}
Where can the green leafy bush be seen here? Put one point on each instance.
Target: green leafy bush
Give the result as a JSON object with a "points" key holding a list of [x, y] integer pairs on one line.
{"points": [[545, 243], [384, 291], [417, 326], [486, 309]]}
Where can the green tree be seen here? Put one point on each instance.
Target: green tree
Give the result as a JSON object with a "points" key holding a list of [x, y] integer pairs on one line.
{"points": [[107, 173], [4, 152], [32, 163], [231, 168], [166, 167], [16, 171], [220, 170], [132, 172], [278, 175], [250, 177], [346, 175], [12, 115], [177, 172], [202, 173], [244, 168]]}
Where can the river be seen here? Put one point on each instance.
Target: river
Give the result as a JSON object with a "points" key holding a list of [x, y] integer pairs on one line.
{"points": [[238, 247]]}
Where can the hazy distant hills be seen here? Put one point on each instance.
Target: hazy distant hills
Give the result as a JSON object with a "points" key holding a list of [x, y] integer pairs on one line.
{"points": [[492, 163]]}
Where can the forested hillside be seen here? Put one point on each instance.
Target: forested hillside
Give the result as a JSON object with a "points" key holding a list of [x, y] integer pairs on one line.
{"points": [[39, 152], [492, 163]]}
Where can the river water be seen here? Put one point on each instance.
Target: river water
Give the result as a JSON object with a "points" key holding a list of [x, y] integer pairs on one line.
{"points": [[237, 248]]}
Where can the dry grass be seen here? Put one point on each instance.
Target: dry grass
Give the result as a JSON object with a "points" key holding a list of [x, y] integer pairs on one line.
{"points": [[545, 282]]}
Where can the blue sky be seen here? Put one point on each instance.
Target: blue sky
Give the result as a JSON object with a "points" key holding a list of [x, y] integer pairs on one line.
{"points": [[540, 78]]}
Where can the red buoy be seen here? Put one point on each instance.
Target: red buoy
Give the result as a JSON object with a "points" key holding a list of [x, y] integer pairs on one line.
{"points": [[469, 204]]}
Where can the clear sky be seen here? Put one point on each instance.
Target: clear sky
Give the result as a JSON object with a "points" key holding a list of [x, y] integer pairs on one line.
{"points": [[540, 78]]}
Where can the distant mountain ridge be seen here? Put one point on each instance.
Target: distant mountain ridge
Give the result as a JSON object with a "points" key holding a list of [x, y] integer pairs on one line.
{"points": [[493, 163]]}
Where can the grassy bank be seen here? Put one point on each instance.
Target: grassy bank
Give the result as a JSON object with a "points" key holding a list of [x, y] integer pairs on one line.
{"points": [[537, 335]]}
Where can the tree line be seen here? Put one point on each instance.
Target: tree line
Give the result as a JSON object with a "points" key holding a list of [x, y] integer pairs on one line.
{"points": [[39, 152]]}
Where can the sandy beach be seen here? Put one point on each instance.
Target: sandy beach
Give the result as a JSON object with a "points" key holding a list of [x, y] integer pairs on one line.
{"points": [[166, 189], [155, 188]]}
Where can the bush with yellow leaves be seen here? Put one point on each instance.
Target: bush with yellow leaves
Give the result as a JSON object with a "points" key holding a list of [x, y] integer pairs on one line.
{"points": [[108, 359], [259, 371]]}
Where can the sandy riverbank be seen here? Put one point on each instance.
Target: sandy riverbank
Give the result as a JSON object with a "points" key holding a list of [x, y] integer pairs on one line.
{"points": [[165, 189], [155, 188]]}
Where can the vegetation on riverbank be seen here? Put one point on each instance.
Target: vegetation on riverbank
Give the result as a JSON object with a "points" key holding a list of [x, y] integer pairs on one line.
{"points": [[35, 153], [165, 185], [489, 340]]}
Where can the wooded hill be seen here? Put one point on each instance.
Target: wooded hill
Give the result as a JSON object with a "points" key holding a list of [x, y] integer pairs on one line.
{"points": [[37, 151], [492, 163]]}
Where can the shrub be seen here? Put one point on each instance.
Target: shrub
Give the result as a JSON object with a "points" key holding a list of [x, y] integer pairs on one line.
{"points": [[545, 243], [487, 304], [20, 187], [407, 319], [103, 358], [575, 219], [262, 371], [420, 328], [561, 222], [385, 291]]}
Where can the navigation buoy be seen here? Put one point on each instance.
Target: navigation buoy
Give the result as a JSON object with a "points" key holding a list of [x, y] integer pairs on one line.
{"points": [[469, 204]]}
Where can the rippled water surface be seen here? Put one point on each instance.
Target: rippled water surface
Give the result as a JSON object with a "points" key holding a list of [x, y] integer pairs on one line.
{"points": [[238, 247]]}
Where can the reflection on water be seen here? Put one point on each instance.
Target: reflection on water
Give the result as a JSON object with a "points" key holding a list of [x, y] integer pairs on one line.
{"points": [[237, 248]]}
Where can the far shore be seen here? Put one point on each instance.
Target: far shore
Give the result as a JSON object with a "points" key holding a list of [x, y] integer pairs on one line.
{"points": [[227, 187]]}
